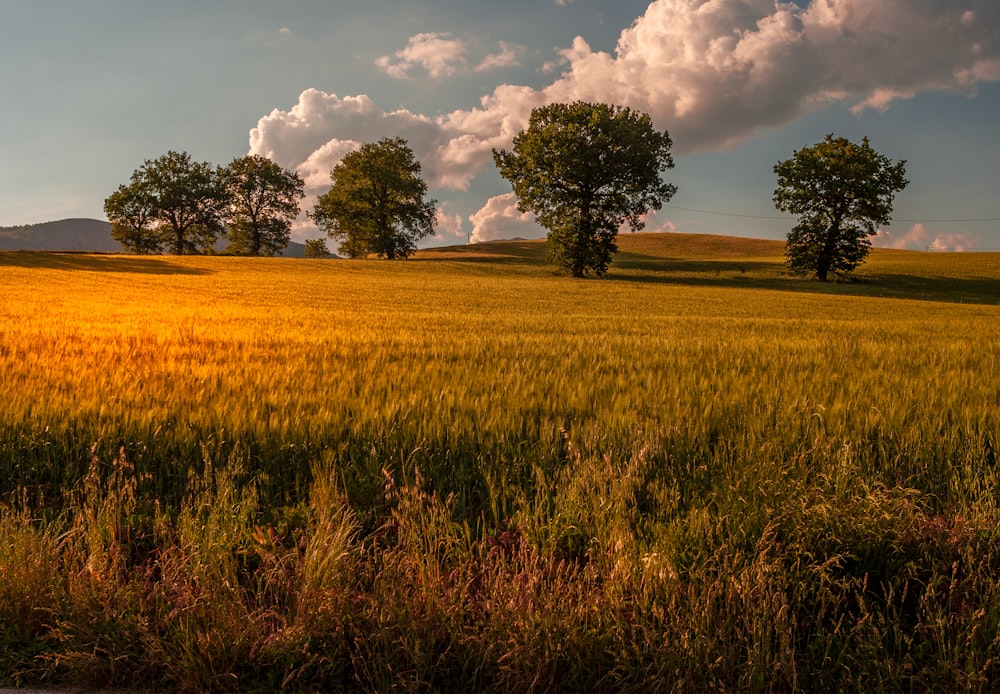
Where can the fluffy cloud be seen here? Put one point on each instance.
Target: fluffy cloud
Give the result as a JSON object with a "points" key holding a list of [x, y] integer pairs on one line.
{"points": [[441, 55], [499, 219], [919, 237], [712, 72], [450, 228], [315, 133], [508, 56], [312, 136]]}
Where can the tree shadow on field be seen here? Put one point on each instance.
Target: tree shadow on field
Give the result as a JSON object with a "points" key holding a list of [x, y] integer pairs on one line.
{"points": [[958, 290], [711, 268], [762, 274], [149, 265]]}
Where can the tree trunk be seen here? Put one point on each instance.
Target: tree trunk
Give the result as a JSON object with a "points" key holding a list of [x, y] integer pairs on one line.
{"points": [[825, 259]]}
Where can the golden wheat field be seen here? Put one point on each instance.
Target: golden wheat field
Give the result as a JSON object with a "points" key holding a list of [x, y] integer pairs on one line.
{"points": [[291, 351], [699, 472]]}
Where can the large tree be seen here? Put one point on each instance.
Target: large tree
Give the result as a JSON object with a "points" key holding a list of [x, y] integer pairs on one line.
{"points": [[263, 201], [131, 210], [185, 202], [584, 170], [376, 204], [842, 192], [190, 201]]}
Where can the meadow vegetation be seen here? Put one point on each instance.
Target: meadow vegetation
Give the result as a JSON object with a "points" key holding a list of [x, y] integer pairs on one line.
{"points": [[465, 472]]}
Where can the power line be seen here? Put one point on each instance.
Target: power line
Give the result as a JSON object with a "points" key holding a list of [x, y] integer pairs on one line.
{"points": [[724, 214], [938, 221], [898, 219]]}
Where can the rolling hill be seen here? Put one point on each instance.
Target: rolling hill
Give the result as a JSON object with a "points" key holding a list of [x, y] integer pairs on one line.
{"points": [[65, 235], [81, 236]]}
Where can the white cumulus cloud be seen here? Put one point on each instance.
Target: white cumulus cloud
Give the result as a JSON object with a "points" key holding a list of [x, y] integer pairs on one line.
{"points": [[440, 54], [711, 72], [450, 228], [508, 56], [499, 219], [716, 72], [313, 135], [443, 55]]}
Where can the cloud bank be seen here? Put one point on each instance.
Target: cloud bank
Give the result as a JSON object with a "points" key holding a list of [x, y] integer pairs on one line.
{"points": [[712, 72]]}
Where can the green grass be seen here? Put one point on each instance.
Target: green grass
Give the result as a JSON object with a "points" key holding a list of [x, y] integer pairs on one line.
{"points": [[464, 471]]}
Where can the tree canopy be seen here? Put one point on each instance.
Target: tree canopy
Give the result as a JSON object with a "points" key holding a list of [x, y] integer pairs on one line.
{"points": [[175, 203], [170, 201], [842, 192], [263, 201], [584, 170], [132, 212], [189, 201], [376, 204]]}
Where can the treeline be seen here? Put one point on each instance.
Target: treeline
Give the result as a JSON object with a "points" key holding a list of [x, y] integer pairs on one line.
{"points": [[375, 206], [182, 206], [20, 227], [584, 170]]}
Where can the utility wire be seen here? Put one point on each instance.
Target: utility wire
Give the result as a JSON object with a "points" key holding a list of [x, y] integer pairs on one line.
{"points": [[724, 214], [757, 216], [933, 221]]}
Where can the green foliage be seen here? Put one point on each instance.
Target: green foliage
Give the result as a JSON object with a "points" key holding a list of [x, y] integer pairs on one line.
{"points": [[842, 192], [316, 248], [263, 202], [584, 170], [131, 210], [171, 202], [376, 204]]}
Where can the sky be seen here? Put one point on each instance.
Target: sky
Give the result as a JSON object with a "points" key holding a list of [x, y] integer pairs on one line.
{"points": [[92, 88]]}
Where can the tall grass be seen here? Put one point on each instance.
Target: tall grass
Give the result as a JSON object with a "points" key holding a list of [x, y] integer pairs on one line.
{"points": [[463, 471]]}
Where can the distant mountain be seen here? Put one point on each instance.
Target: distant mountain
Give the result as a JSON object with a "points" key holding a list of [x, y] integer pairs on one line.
{"points": [[66, 235], [83, 236]]}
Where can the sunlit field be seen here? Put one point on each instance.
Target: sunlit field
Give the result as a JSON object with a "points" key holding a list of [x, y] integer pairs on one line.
{"points": [[466, 472]]}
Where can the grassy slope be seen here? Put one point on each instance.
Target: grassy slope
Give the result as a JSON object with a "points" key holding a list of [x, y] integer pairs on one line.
{"points": [[759, 263], [699, 472]]}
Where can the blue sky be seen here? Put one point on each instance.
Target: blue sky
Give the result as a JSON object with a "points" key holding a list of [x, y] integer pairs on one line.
{"points": [[92, 88]]}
